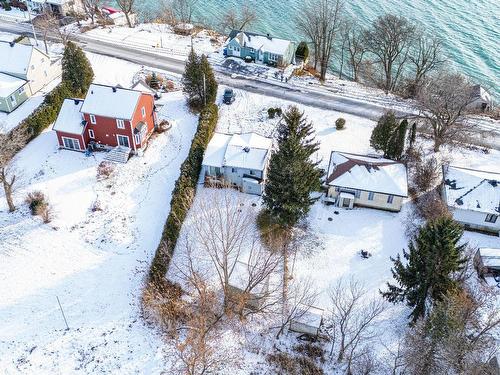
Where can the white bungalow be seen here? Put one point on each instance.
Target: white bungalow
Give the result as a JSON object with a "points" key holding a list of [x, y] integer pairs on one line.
{"points": [[367, 181], [239, 159], [473, 197]]}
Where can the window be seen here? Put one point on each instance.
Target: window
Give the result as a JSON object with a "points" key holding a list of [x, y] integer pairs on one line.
{"points": [[120, 124], [13, 100], [137, 139], [357, 193], [491, 218], [21, 90], [92, 119], [371, 195], [233, 170], [252, 172], [143, 112], [390, 198], [91, 133], [71, 143]]}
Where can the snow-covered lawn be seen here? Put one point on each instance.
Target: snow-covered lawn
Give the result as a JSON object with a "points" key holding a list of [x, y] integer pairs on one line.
{"points": [[157, 38], [93, 261]]}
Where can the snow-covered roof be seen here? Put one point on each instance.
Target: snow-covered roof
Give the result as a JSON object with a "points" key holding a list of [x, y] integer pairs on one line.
{"points": [[9, 84], [15, 58], [109, 101], [368, 173], [473, 190], [241, 275], [310, 315], [69, 119], [143, 87], [265, 43], [490, 257], [248, 150]]}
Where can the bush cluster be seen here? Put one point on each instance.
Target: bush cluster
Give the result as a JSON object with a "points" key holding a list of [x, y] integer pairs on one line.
{"points": [[340, 123], [184, 191], [39, 206], [273, 112]]}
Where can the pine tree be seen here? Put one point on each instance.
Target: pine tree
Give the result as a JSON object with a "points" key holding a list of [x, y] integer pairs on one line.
{"points": [[389, 136], [76, 69], [292, 176], [154, 82], [433, 256], [199, 82]]}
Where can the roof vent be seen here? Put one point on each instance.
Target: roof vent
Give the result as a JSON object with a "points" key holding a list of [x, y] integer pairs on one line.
{"points": [[269, 37], [459, 201], [76, 101], [246, 149], [493, 183], [92, 92], [114, 89]]}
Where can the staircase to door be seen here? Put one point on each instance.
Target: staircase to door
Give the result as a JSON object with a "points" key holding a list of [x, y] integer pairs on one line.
{"points": [[119, 154]]}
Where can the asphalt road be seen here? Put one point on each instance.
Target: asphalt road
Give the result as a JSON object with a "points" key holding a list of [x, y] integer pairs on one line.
{"points": [[318, 97]]}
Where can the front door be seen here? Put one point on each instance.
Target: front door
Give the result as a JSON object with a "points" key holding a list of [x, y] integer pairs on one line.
{"points": [[347, 203], [123, 140]]}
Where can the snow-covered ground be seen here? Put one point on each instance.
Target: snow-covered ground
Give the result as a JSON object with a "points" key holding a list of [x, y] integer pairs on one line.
{"points": [[94, 262], [335, 236], [157, 38], [15, 14]]}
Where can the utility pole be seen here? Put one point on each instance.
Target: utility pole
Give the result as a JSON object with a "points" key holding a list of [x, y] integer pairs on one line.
{"points": [[62, 312], [31, 22]]}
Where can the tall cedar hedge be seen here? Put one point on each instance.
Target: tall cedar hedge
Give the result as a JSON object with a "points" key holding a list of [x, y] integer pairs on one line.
{"points": [[184, 191]]}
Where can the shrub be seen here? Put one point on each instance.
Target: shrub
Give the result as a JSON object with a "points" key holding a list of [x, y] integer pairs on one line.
{"points": [[184, 190], [96, 206], [271, 112], [6, 6], [426, 174], [45, 212], [311, 351], [169, 85], [278, 111], [430, 206], [35, 201], [302, 50], [340, 123], [293, 365], [105, 170]]}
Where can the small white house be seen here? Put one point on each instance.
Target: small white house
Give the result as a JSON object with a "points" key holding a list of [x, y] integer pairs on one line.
{"points": [[481, 99], [473, 197], [367, 181], [238, 159], [308, 322]]}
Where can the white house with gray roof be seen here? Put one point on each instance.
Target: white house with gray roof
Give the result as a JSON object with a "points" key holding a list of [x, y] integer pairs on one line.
{"points": [[238, 159], [473, 197]]}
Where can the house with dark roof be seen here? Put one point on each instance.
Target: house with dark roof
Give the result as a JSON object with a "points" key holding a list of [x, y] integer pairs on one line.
{"points": [[366, 181], [473, 197], [263, 49]]}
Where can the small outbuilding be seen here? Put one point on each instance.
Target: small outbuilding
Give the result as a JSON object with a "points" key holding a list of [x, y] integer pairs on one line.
{"points": [[242, 290], [308, 322], [487, 264]]}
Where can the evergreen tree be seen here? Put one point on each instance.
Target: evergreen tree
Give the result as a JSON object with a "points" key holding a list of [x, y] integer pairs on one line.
{"points": [[432, 258], [292, 176], [199, 82], [76, 69], [412, 136], [302, 51], [154, 82], [389, 136]]}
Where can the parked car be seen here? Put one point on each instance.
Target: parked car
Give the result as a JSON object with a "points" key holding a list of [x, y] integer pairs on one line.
{"points": [[229, 96]]}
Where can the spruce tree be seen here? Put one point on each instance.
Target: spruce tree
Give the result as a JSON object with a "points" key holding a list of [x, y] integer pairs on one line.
{"points": [[199, 82], [426, 276], [154, 82], [389, 136], [292, 175], [76, 69]]}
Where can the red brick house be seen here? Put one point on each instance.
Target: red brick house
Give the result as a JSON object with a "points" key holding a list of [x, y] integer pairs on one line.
{"points": [[107, 117]]}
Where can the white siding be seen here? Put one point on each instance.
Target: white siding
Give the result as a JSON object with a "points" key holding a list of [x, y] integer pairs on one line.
{"points": [[379, 200], [475, 220]]}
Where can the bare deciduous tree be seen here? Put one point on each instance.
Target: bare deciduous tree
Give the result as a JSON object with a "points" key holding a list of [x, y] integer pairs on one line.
{"points": [[92, 8], [389, 40], [127, 7], [444, 100], [320, 22], [10, 143], [354, 318], [48, 23], [183, 10], [425, 56], [355, 47], [238, 21], [300, 298]]}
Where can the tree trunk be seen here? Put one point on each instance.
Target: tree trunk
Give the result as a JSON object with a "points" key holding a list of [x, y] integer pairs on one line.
{"points": [[128, 19], [8, 192]]}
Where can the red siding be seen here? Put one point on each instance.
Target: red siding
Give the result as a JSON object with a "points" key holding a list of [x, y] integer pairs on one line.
{"points": [[106, 129], [60, 135]]}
